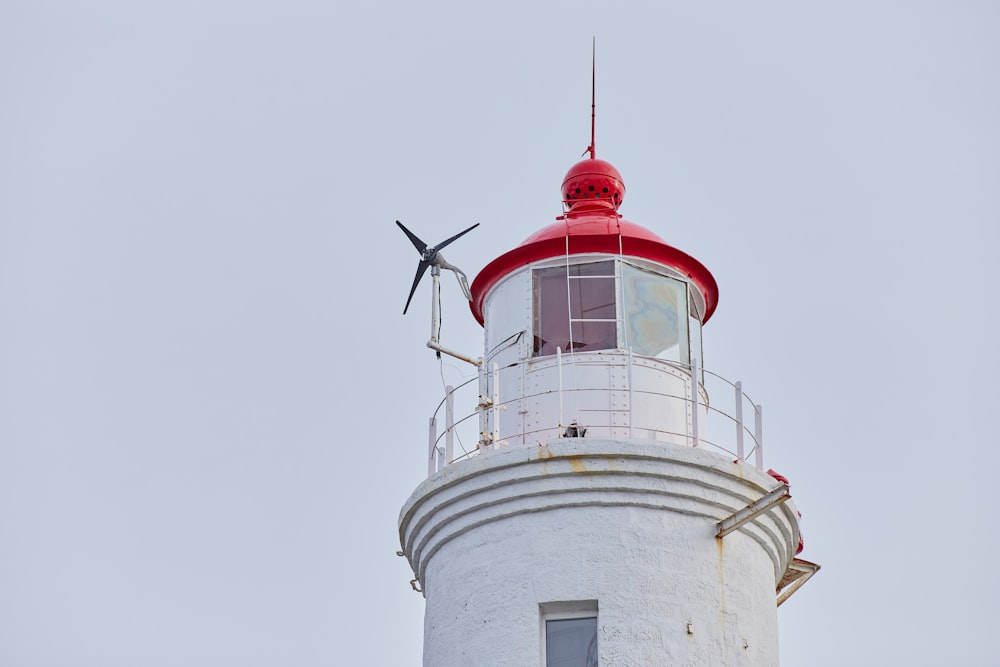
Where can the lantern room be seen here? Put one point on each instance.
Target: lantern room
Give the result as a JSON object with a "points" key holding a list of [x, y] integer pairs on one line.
{"points": [[593, 323]]}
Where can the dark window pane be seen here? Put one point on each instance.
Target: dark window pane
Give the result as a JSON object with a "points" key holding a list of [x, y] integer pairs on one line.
{"points": [[571, 642], [587, 294], [551, 311]]}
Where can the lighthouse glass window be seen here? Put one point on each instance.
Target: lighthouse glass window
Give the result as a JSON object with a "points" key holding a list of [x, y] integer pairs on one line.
{"points": [[655, 314], [575, 308]]}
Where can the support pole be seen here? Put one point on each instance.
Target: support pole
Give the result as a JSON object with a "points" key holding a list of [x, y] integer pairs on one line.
{"points": [[435, 303], [435, 342]]}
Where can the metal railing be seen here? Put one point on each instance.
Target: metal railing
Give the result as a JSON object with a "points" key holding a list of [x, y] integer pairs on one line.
{"points": [[744, 440]]}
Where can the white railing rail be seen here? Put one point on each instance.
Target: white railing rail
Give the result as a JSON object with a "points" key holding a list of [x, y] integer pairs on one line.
{"points": [[487, 411]]}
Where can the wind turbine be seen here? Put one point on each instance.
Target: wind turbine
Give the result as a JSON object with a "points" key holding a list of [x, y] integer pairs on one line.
{"points": [[431, 256]]}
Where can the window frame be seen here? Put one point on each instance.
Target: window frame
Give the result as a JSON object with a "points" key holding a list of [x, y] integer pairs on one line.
{"points": [[695, 305], [564, 277]]}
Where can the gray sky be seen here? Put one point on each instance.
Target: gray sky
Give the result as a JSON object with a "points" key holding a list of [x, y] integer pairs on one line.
{"points": [[211, 408]]}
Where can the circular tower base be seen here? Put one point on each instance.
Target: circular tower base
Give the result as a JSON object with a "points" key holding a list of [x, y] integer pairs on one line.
{"points": [[623, 531]]}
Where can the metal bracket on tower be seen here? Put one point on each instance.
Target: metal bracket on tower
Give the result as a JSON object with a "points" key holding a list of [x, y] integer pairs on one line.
{"points": [[753, 510], [799, 572]]}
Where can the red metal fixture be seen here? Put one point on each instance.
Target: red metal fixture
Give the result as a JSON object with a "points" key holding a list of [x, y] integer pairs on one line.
{"points": [[593, 190]]}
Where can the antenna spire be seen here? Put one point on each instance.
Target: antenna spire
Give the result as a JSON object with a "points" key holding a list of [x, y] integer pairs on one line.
{"points": [[592, 149]]}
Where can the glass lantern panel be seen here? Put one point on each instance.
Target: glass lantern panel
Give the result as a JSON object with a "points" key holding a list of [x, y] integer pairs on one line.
{"points": [[656, 318]]}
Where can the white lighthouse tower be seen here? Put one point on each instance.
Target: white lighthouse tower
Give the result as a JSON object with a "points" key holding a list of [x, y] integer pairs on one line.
{"points": [[610, 507]]}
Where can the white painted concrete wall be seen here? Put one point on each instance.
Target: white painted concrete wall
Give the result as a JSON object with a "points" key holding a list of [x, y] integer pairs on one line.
{"points": [[628, 523], [600, 392]]}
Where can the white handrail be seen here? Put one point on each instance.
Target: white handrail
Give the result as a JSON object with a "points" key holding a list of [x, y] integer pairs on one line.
{"points": [[489, 405]]}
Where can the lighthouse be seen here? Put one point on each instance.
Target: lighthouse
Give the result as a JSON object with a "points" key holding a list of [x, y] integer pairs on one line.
{"points": [[608, 504]]}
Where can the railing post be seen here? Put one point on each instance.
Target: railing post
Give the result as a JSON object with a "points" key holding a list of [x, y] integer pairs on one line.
{"points": [[758, 432], [695, 400], [496, 405], [739, 420], [483, 391], [559, 366], [449, 412], [631, 409], [432, 436]]}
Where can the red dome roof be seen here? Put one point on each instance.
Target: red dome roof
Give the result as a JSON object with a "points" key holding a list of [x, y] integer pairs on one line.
{"points": [[590, 180], [592, 225]]}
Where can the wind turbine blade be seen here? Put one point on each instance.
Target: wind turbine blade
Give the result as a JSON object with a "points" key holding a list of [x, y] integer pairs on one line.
{"points": [[421, 269], [417, 243], [444, 243]]}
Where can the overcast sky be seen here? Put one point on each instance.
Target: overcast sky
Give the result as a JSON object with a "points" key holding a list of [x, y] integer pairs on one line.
{"points": [[211, 407]]}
